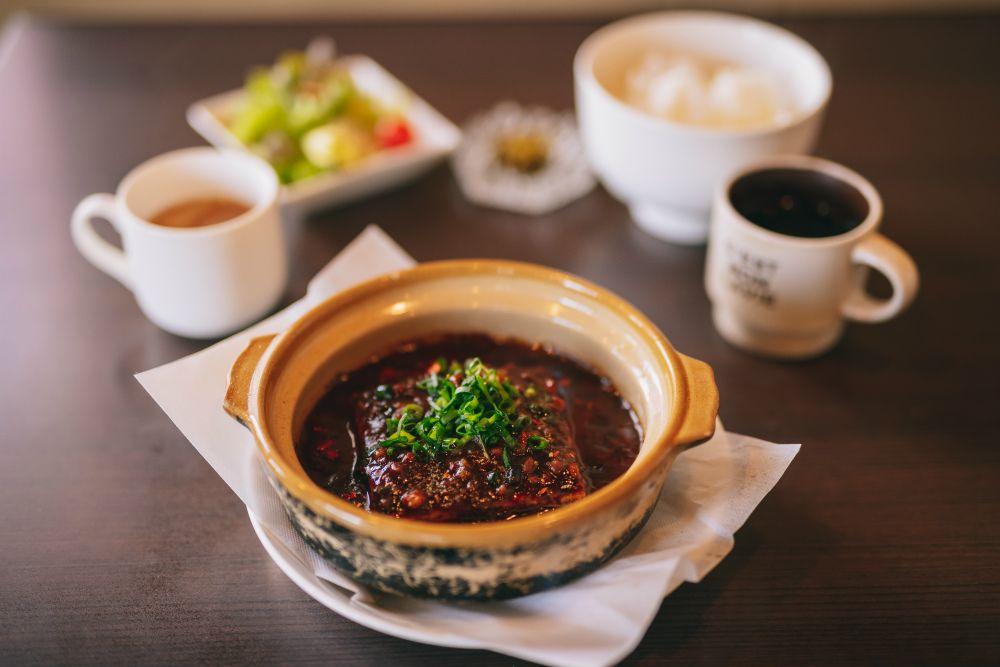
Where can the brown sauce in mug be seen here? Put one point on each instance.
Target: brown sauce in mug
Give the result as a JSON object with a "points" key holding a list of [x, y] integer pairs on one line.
{"points": [[570, 432], [199, 212]]}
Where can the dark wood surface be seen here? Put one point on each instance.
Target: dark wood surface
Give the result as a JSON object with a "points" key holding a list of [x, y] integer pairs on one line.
{"points": [[118, 544]]}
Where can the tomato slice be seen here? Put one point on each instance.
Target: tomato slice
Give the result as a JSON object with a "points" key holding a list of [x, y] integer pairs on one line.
{"points": [[394, 132]]}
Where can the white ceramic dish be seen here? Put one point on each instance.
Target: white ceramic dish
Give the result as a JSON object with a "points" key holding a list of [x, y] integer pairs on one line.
{"points": [[667, 172], [435, 137]]}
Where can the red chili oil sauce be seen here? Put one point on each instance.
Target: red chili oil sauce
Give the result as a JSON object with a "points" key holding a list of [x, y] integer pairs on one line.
{"points": [[592, 436]]}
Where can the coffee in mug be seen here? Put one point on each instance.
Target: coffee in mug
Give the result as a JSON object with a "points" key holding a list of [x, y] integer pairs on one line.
{"points": [[794, 202], [792, 240], [200, 212]]}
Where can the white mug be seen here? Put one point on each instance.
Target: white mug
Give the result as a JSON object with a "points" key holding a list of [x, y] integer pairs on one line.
{"points": [[200, 282], [787, 296]]}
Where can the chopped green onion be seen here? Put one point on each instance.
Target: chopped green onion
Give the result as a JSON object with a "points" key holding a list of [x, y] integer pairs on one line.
{"points": [[470, 402], [537, 442]]}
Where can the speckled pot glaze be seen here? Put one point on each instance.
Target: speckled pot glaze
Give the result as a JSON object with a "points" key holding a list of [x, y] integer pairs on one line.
{"points": [[458, 573], [277, 380]]}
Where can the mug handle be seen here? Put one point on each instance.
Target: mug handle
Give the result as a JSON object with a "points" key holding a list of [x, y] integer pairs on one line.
{"points": [[883, 255], [96, 250]]}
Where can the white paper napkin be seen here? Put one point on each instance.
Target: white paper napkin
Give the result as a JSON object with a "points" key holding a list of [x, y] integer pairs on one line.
{"points": [[597, 620]]}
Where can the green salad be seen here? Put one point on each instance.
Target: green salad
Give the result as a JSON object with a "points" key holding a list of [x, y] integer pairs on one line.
{"points": [[306, 118]]}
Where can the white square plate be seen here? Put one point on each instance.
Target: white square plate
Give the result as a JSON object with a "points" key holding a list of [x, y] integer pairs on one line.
{"points": [[434, 138]]}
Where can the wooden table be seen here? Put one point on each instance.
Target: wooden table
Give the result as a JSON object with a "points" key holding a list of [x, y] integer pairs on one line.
{"points": [[880, 545]]}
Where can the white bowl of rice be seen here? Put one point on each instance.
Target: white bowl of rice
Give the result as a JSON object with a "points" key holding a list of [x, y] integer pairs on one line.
{"points": [[669, 103]]}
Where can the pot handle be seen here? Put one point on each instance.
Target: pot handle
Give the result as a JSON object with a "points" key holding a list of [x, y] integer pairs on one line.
{"points": [[702, 403], [237, 398]]}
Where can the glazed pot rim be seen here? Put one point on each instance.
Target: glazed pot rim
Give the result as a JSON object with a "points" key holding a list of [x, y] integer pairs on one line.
{"points": [[676, 368]]}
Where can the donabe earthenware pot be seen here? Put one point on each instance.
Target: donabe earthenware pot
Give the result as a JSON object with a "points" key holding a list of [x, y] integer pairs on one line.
{"points": [[278, 379]]}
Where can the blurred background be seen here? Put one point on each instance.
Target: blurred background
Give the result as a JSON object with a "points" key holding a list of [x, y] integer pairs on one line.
{"points": [[267, 10]]}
